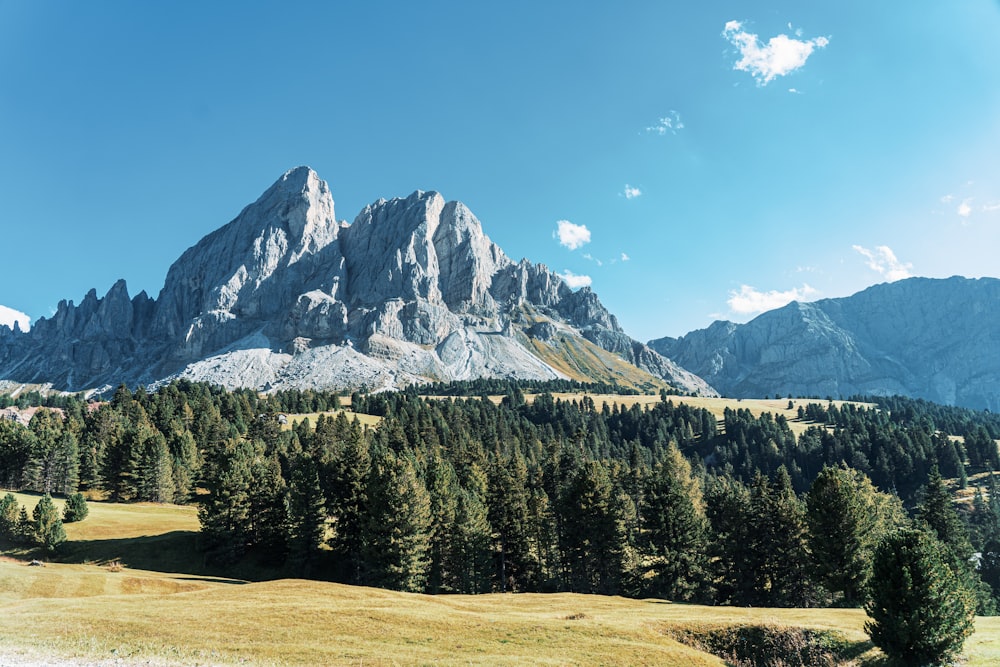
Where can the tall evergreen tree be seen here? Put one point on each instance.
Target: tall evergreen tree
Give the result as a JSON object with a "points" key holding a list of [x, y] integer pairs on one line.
{"points": [[154, 472], [8, 518], [673, 538], [847, 517], [937, 511], [517, 563], [397, 525], [345, 484], [307, 516], [225, 512], [920, 608], [593, 540]]}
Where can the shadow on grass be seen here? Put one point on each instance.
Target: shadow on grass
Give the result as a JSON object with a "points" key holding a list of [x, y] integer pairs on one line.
{"points": [[765, 645], [176, 551]]}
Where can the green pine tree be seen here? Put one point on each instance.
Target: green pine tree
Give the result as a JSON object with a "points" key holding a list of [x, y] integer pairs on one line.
{"points": [[76, 508], [847, 517], [920, 608], [937, 511], [673, 538], [48, 526], [8, 518], [307, 516], [397, 525]]}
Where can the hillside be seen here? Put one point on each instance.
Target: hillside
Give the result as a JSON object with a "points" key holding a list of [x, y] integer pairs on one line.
{"points": [[919, 337]]}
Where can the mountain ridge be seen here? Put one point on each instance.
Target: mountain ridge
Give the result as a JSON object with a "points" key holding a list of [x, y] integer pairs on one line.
{"points": [[937, 339], [285, 295]]}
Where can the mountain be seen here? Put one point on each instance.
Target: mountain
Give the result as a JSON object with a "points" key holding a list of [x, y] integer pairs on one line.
{"points": [[285, 295], [920, 337]]}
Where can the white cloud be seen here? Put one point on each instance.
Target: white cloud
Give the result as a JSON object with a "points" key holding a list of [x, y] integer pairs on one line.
{"points": [[749, 300], [574, 281], [632, 193], [669, 123], [625, 257], [947, 199], [8, 316], [570, 235], [964, 209], [883, 261], [992, 206], [780, 56]]}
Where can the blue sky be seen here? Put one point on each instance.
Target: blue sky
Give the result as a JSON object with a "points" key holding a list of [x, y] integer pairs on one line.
{"points": [[692, 161]]}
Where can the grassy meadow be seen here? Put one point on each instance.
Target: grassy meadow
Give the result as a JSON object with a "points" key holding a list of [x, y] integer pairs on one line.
{"points": [[165, 607], [88, 613]]}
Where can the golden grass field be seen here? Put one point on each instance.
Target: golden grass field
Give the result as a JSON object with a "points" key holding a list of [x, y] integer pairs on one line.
{"points": [[165, 608], [84, 613]]}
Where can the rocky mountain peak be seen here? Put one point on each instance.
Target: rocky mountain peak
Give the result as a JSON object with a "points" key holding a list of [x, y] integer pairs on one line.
{"points": [[284, 295]]}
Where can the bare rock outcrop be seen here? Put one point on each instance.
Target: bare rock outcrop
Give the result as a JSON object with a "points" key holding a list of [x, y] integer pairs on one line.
{"points": [[285, 295]]}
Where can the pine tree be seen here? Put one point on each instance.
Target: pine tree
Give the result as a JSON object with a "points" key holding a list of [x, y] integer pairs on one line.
{"points": [[54, 465], [225, 512], [8, 518], [397, 525], [24, 532], [76, 508], [16, 446], [847, 518], [442, 485], [517, 564], [780, 539], [937, 511], [154, 473], [345, 482], [673, 538], [48, 527], [593, 540], [732, 558], [307, 516], [920, 608], [471, 554]]}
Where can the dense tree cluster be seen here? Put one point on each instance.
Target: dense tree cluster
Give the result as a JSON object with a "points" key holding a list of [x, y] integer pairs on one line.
{"points": [[533, 493], [44, 527]]}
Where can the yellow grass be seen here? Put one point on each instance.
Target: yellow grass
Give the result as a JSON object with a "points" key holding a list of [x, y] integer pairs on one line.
{"points": [[86, 613], [717, 406], [370, 421]]}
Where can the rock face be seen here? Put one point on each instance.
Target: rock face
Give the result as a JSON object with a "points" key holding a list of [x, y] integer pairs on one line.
{"points": [[287, 296], [921, 337]]}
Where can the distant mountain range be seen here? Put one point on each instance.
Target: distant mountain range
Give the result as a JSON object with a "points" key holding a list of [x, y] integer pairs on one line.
{"points": [[286, 296], [920, 337]]}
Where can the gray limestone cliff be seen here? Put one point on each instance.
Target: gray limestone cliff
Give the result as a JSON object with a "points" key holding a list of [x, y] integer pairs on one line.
{"points": [[286, 296], [920, 337]]}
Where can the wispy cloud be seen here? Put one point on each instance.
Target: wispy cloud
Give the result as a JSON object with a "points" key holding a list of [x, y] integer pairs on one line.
{"points": [[625, 257], [632, 193], [749, 300], [882, 260], [668, 124], [965, 208], [570, 235], [780, 56], [574, 281], [9, 316]]}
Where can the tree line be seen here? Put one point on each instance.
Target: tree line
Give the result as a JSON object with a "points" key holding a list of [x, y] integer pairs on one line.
{"points": [[466, 495]]}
